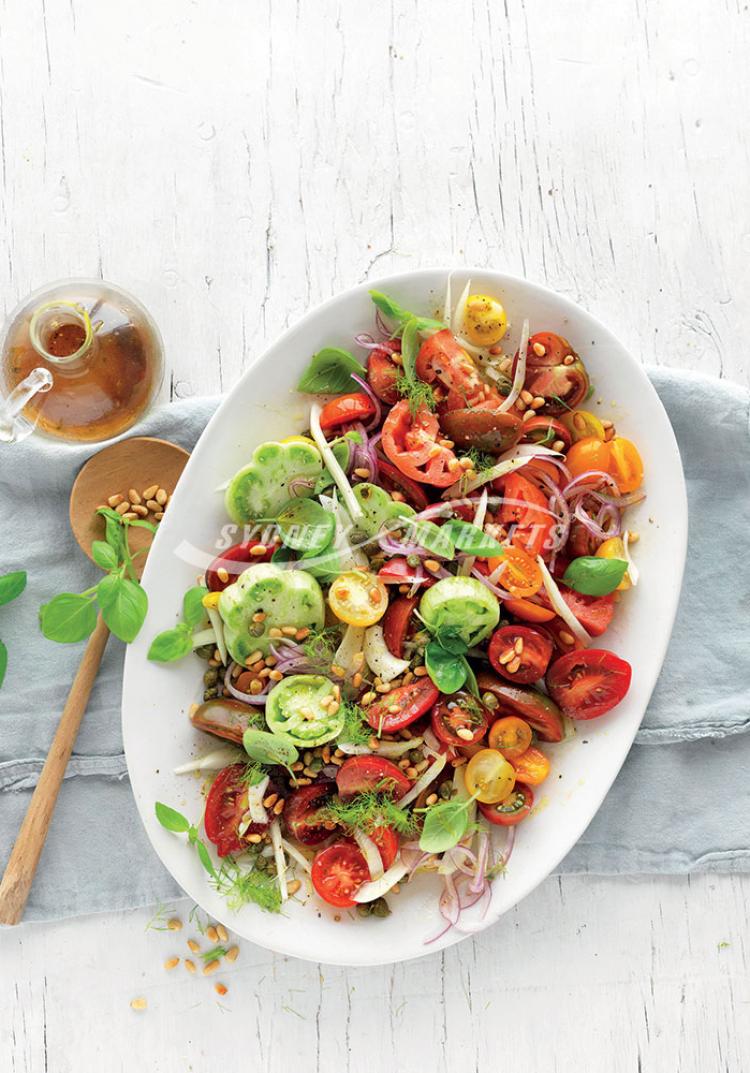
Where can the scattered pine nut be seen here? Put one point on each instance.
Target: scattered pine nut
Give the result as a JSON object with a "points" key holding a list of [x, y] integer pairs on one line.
{"points": [[568, 359], [175, 924], [220, 989], [138, 1004], [506, 657], [633, 537], [259, 616], [159, 515], [278, 808], [431, 800], [212, 934], [171, 963], [260, 549], [420, 672], [373, 744], [518, 646], [558, 445], [539, 350], [293, 887], [122, 507], [211, 967], [189, 965], [513, 666], [129, 515], [150, 492], [133, 496], [360, 471], [268, 802], [222, 933], [139, 510], [274, 631], [223, 574], [233, 953], [302, 633], [566, 638], [367, 698], [193, 945], [464, 733], [527, 397], [527, 415], [432, 565]]}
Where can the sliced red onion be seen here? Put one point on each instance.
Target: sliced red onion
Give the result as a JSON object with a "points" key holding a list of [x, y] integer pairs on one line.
{"points": [[298, 485], [378, 415], [364, 339], [574, 486], [593, 526], [246, 698], [482, 856]]}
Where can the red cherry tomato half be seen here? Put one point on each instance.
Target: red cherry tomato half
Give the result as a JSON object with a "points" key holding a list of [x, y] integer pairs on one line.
{"points": [[345, 409], [361, 773], [523, 667], [387, 841], [398, 572], [338, 871], [396, 622], [234, 560], [512, 810], [527, 507], [546, 430], [300, 811], [382, 374], [593, 612], [226, 804], [393, 480], [411, 701], [459, 720], [538, 710], [588, 683]]}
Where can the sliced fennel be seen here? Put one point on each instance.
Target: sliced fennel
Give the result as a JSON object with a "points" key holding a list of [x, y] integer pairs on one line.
{"points": [[370, 852], [423, 781], [560, 606], [520, 374], [341, 479], [213, 761], [370, 892], [278, 852], [380, 659]]}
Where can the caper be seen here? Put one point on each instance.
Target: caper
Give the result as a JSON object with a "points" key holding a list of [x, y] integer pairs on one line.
{"points": [[490, 700], [416, 756], [413, 560], [211, 677], [364, 909], [380, 908], [211, 694], [445, 790], [205, 651], [261, 863], [315, 764], [257, 629]]}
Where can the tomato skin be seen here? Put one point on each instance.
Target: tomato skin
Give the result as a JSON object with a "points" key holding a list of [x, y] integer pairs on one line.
{"points": [[531, 767], [301, 805], [521, 575], [539, 711], [512, 810], [409, 442], [442, 357], [526, 507], [387, 841], [396, 623], [588, 683], [548, 375], [463, 711], [360, 773], [398, 572], [595, 613], [487, 430], [234, 560], [536, 654], [224, 811], [587, 454], [346, 409], [528, 611], [338, 871], [382, 374], [393, 480], [489, 776], [511, 736], [413, 701]]}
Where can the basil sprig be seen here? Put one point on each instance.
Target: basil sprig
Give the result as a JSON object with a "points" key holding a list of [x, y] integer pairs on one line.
{"points": [[595, 577], [11, 586], [177, 642], [448, 670], [71, 616], [174, 821], [391, 309], [445, 824], [329, 372], [269, 749]]}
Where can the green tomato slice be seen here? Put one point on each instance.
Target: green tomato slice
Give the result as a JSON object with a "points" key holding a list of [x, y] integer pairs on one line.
{"points": [[461, 606], [286, 598], [261, 488], [295, 708], [305, 525]]}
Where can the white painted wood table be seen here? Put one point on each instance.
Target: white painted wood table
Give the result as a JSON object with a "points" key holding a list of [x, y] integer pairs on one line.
{"points": [[234, 163]]}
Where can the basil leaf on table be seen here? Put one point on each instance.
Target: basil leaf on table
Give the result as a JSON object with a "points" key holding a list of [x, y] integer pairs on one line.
{"points": [[595, 577], [471, 539], [123, 605], [171, 819], [104, 555], [171, 645], [11, 586], [3, 662], [204, 856], [330, 372], [444, 826], [193, 611], [68, 618], [447, 670]]}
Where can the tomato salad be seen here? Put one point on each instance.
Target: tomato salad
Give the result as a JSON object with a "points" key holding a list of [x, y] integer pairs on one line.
{"points": [[413, 614]]}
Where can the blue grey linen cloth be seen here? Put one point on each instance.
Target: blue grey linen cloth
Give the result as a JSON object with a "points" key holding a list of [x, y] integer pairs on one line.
{"points": [[691, 752]]}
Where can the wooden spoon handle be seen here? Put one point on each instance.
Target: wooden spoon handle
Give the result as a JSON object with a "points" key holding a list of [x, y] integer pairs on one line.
{"points": [[24, 858]]}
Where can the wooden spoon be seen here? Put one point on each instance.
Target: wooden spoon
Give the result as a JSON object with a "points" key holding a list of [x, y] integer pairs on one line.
{"points": [[135, 463]]}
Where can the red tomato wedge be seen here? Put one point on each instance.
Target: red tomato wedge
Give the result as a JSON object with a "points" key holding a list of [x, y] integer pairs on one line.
{"points": [[300, 811], [512, 810], [361, 773], [234, 560], [396, 622], [593, 612], [411, 701], [387, 841], [338, 871], [346, 409], [588, 683], [522, 667], [393, 480], [382, 374], [526, 507], [410, 442], [536, 708], [226, 804], [441, 357]]}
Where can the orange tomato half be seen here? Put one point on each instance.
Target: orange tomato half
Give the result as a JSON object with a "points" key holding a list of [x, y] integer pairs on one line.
{"points": [[528, 611], [532, 767], [625, 464], [588, 453], [521, 575]]}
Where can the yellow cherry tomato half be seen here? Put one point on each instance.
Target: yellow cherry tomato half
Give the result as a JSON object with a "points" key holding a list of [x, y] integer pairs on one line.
{"points": [[531, 767], [299, 439], [358, 598], [614, 549], [511, 735], [485, 322], [588, 453], [520, 575], [625, 464], [581, 423], [490, 776]]}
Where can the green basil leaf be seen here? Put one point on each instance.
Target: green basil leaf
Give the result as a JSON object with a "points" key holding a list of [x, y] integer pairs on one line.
{"points": [[595, 577], [450, 637], [68, 618], [471, 679], [104, 555], [193, 611], [205, 858], [410, 349], [3, 662], [444, 826], [389, 308], [471, 539], [114, 531], [330, 372], [171, 645], [447, 670], [306, 526], [430, 536], [123, 604], [11, 586], [171, 819], [324, 565], [269, 748]]}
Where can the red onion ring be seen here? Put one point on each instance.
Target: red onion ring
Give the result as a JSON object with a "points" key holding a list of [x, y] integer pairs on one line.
{"points": [[377, 417]]}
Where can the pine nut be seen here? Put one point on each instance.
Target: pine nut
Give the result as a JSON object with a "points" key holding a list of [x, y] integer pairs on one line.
{"points": [[432, 565], [410, 772], [275, 676], [254, 839], [537, 402], [566, 638], [495, 350], [539, 350], [222, 932], [189, 965], [161, 497], [233, 953], [278, 808], [259, 616], [431, 800], [138, 1004], [506, 657], [367, 698], [357, 680], [633, 537], [115, 500], [175, 924], [129, 515], [289, 631], [159, 515], [420, 672], [518, 646], [270, 801], [211, 967], [140, 510], [397, 497], [527, 415], [212, 934], [464, 733], [274, 631], [568, 359], [259, 549], [558, 445], [373, 744], [360, 471], [513, 666], [527, 397], [122, 507], [153, 505], [220, 989], [171, 963], [302, 634], [150, 492], [133, 496], [293, 887], [194, 946]]}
